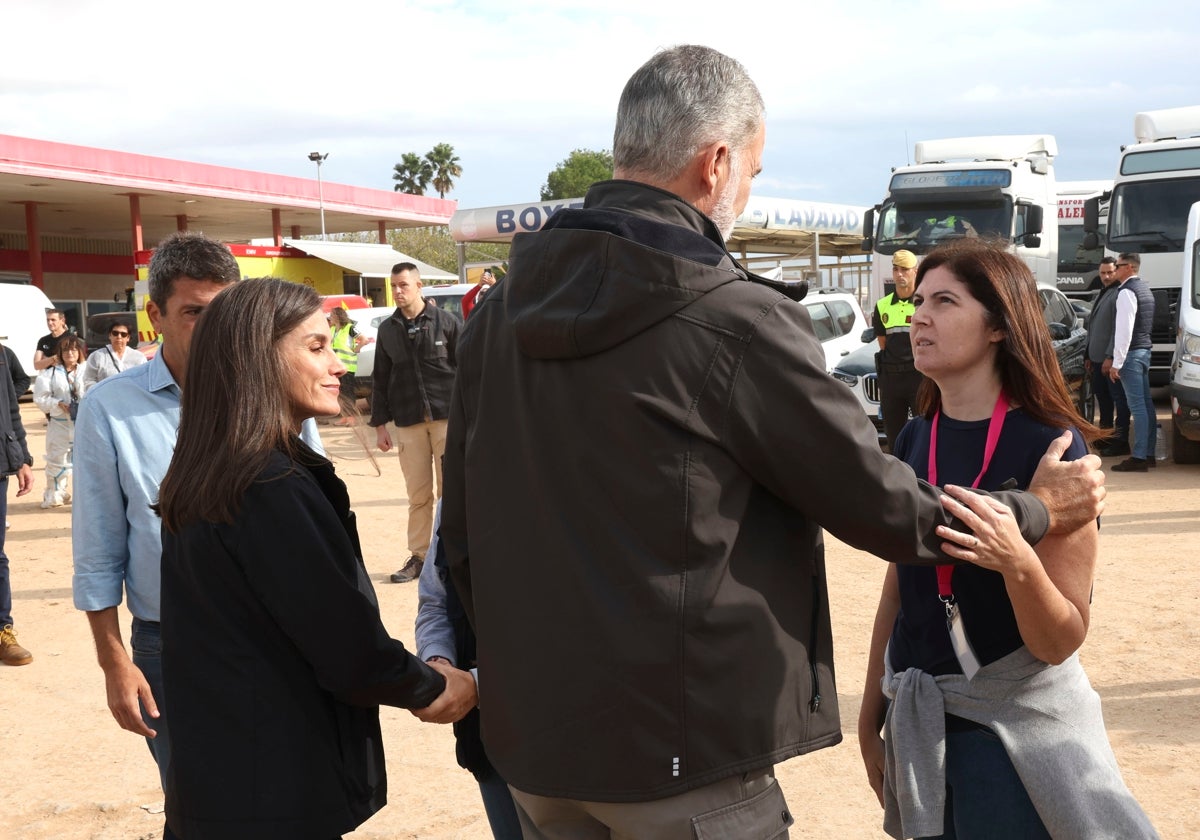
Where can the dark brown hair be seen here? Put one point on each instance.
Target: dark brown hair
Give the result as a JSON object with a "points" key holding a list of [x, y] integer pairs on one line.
{"points": [[1028, 367], [235, 408], [339, 316], [72, 342]]}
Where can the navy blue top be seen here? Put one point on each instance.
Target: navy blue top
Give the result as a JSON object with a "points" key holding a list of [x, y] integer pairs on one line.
{"points": [[920, 638]]}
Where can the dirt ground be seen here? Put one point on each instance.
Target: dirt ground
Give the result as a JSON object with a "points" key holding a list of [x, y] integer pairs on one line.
{"points": [[70, 772]]}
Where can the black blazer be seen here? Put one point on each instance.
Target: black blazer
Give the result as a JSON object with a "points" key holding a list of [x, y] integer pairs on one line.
{"points": [[274, 661]]}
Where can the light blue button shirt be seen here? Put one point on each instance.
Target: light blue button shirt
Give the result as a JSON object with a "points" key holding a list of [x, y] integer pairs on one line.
{"points": [[124, 438]]}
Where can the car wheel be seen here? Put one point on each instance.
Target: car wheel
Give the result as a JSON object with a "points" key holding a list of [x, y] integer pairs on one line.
{"points": [[1185, 450]]}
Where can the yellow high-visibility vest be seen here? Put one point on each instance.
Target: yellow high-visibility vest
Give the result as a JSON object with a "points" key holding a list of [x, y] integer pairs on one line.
{"points": [[343, 347]]}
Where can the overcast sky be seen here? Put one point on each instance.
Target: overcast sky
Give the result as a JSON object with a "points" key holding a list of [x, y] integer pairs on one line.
{"points": [[514, 87]]}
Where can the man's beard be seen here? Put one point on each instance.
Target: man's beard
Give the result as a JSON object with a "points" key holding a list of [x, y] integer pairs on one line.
{"points": [[723, 215]]}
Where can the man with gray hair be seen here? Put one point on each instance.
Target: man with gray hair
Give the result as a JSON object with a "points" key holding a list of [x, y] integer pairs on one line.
{"points": [[643, 448]]}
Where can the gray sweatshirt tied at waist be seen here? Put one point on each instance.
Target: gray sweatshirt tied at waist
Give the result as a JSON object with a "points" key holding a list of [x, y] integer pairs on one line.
{"points": [[1048, 718]]}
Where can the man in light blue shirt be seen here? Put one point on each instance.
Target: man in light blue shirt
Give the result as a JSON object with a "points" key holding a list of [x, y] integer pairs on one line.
{"points": [[124, 438]]}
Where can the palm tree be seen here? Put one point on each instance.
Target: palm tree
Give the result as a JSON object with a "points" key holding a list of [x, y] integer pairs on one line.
{"points": [[412, 174], [444, 163]]}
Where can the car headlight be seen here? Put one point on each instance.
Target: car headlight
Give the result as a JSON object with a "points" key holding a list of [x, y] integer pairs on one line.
{"points": [[1189, 348], [849, 378]]}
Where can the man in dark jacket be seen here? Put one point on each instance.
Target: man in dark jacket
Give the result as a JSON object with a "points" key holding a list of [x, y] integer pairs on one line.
{"points": [[14, 460], [644, 446], [411, 384], [1110, 394], [16, 372]]}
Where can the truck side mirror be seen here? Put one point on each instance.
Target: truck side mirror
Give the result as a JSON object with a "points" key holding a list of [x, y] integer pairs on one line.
{"points": [[1091, 240], [1091, 217], [868, 242], [1033, 223]]}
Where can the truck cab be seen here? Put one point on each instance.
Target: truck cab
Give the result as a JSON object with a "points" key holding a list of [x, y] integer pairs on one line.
{"points": [[1000, 186], [1157, 181]]}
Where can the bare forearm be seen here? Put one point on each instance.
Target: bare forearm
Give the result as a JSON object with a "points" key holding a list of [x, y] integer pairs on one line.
{"points": [[870, 718], [106, 631], [1050, 595]]}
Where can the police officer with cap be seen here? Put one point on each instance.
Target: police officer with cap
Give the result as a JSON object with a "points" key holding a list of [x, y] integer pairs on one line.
{"points": [[898, 378]]}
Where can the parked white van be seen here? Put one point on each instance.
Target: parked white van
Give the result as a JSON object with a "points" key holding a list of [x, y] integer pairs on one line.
{"points": [[1185, 367], [23, 320]]}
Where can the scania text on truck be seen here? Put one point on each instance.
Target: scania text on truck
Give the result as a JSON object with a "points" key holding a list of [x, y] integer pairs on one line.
{"points": [[1185, 366], [1000, 186], [1157, 182]]}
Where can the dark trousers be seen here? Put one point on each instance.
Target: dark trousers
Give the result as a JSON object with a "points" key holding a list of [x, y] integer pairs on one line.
{"points": [[1121, 415], [346, 393], [146, 642], [984, 795], [897, 399], [1103, 395], [5, 584]]}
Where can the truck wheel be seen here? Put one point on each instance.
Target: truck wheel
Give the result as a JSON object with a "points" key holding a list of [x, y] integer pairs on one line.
{"points": [[1185, 451]]}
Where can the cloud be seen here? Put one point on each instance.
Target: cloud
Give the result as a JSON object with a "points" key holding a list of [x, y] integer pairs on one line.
{"points": [[515, 87]]}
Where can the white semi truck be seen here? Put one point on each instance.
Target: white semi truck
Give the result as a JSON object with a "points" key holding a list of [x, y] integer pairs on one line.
{"points": [[1157, 182], [999, 186]]}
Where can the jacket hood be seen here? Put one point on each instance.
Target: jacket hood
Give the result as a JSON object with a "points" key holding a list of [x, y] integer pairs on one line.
{"points": [[595, 277]]}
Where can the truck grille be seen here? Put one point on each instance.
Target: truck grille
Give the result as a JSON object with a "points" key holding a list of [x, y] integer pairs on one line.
{"points": [[1164, 328]]}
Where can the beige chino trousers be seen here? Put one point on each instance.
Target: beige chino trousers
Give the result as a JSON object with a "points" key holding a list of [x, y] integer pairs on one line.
{"points": [[421, 448]]}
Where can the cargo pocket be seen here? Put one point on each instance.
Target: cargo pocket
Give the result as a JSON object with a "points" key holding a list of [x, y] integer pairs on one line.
{"points": [[764, 816]]}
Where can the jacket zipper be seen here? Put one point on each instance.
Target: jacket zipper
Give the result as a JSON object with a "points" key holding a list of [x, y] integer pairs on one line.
{"points": [[815, 702]]}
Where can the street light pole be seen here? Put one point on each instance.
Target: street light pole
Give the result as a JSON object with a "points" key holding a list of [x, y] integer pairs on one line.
{"points": [[318, 159]]}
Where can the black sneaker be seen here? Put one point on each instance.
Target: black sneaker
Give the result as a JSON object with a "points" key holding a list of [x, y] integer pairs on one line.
{"points": [[1131, 465], [410, 571], [1112, 449]]}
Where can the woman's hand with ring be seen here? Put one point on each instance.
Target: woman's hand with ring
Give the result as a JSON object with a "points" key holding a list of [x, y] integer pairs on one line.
{"points": [[993, 540]]}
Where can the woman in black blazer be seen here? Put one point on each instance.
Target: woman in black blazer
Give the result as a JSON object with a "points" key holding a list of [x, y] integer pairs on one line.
{"points": [[275, 658]]}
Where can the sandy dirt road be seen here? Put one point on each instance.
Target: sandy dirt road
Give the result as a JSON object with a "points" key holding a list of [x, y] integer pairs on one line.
{"points": [[70, 772]]}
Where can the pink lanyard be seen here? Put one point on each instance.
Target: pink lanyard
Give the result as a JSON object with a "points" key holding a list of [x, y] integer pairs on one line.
{"points": [[946, 571]]}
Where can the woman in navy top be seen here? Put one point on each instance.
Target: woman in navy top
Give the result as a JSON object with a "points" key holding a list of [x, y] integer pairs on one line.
{"points": [[993, 401]]}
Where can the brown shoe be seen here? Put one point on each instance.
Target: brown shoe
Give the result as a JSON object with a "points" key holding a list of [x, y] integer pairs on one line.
{"points": [[409, 572], [12, 653]]}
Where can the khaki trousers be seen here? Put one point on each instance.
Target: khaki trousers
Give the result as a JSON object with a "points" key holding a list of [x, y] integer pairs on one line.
{"points": [[744, 807], [421, 448]]}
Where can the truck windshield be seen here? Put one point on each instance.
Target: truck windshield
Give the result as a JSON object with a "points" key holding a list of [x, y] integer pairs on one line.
{"points": [[1072, 256], [919, 226], [1150, 216]]}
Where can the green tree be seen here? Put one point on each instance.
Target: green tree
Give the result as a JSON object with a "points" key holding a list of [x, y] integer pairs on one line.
{"points": [[432, 245], [412, 174], [445, 167], [572, 177]]}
